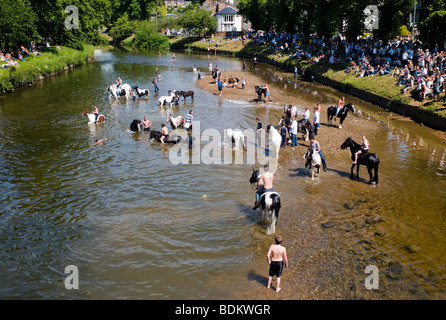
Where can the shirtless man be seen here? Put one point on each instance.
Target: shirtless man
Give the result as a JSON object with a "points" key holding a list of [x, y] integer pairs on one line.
{"points": [[164, 133], [340, 105], [265, 184], [276, 257], [147, 123]]}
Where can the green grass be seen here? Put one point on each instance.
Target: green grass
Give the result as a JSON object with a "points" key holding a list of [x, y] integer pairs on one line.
{"points": [[51, 60]]}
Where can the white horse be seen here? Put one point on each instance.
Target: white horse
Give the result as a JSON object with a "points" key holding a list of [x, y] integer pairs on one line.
{"points": [[124, 90], [235, 138], [167, 99], [275, 139], [92, 117], [175, 122], [313, 161]]}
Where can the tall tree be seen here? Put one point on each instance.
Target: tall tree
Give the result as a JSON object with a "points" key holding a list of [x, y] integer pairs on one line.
{"points": [[17, 23]]}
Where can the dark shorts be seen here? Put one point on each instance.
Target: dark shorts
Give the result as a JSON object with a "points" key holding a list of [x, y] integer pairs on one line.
{"points": [[275, 268]]}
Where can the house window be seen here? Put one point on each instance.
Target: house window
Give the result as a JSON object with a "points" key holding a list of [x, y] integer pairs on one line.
{"points": [[229, 18]]}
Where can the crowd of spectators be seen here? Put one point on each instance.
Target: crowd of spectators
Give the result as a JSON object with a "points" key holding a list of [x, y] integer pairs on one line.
{"points": [[416, 67], [10, 58]]}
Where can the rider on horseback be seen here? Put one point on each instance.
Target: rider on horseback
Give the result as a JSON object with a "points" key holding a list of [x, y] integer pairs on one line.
{"points": [[340, 105], [317, 148], [265, 184], [364, 149]]}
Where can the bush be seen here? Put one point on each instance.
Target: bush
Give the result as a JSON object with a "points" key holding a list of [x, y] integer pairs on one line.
{"points": [[147, 38], [403, 31]]}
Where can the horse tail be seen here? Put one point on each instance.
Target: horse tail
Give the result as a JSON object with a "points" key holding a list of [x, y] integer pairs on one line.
{"points": [[275, 205]]}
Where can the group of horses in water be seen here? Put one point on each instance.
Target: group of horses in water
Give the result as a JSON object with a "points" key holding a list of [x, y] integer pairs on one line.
{"points": [[270, 202]]}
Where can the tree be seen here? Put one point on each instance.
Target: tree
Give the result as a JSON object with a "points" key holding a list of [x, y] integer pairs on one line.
{"points": [[390, 18], [197, 22], [122, 29], [17, 23], [433, 28]]}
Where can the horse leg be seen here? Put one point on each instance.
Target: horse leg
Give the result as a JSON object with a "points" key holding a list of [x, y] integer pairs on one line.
{"points": [[351, 173], [375, 178], [357, 171], [369, 169]]}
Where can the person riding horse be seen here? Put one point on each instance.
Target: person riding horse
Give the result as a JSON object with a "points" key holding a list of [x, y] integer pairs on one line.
{"points": [[265, 184]]}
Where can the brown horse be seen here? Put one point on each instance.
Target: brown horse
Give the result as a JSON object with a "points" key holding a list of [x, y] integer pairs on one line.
{"points": [[186, 94]]}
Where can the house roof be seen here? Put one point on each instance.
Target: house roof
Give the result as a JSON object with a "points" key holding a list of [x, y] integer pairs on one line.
{"points": [[227, 10]]}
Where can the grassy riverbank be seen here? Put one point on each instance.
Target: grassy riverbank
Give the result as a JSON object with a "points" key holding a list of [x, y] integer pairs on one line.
{"points": [[50, 62], [381, 90]]}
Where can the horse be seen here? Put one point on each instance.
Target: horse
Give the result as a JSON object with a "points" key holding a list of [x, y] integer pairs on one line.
{"points": [[313, 161], [259, 92], [235, 138], [141, 92], [186, 94], [92, 117], [233, 81], [173, 139], [135, 126], [167, 99], [370, 160], [175, 122], [275, 139], [342, 114], [125, 90], [303, 126], [269, 205]]}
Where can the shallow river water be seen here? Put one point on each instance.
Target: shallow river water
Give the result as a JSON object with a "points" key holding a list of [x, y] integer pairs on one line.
{"points": [[139, 227]]}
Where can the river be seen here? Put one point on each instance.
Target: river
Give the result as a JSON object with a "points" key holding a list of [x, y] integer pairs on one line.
{"points": [[137, 226]]}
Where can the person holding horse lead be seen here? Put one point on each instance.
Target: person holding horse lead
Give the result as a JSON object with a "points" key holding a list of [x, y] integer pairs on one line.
{"points": [[364, 149], [265, 184], [317, 148]]}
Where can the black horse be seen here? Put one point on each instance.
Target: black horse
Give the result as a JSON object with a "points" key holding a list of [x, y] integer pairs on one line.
{"points": [[259, 92], [173, 139], [186, 94], [342, 114], [370, 160], [269, 205], [135, 126]]}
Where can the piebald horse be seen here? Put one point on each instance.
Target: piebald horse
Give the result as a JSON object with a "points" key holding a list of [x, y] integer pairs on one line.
{"points": [[125, 90], [175, 122], [313, 161], [342, 114], [92, 117], [269, 205]]}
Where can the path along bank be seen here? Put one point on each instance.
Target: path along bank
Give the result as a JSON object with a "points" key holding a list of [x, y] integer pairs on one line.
{"points": [[381, 91], [51, 61]]}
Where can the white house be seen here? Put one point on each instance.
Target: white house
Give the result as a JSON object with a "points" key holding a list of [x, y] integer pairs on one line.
{"points": [[228, 20]]}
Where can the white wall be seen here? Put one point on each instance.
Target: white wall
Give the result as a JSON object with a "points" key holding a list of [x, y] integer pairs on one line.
{"points": [[226, 26]]}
